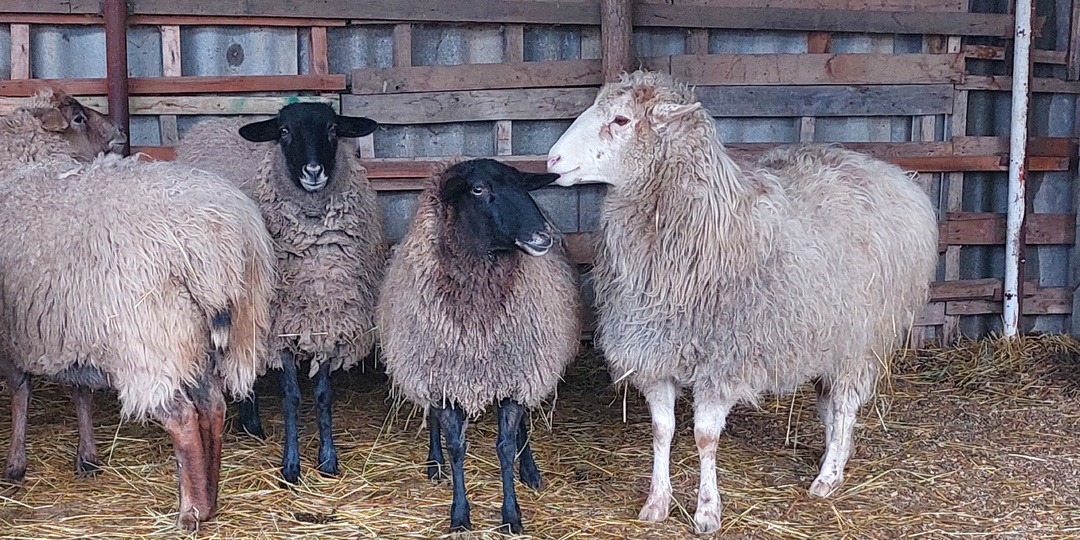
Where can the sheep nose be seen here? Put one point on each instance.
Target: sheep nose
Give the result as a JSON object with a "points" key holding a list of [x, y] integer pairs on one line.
{"points": [[313, 169], [553, 160]]}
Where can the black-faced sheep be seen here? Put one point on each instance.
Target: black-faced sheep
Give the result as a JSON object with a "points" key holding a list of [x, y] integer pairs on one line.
{"points": [[154, 279], [52, 123], [325, 219], [475, 311], [733, 282]]}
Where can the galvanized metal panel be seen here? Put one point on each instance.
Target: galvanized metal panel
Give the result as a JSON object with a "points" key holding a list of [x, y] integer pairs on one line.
{"points": [[553, 43], [449, 45], [866, 129], [238, 50], [434, 140], [68, 51], [536, 137], [560, 206], [358, 47], [659, 41], [750, 42], [5, 51], [733, 130], [144, 51], [145, 131], [398, 208]]}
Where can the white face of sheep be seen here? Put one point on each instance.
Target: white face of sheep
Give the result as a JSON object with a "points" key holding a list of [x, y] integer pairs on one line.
{"points": [[611, 134]]}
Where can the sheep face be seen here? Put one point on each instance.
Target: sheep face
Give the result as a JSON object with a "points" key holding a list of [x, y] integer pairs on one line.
{"points": [[308, 134], [622, 131], [89, 132], [490, 209]]}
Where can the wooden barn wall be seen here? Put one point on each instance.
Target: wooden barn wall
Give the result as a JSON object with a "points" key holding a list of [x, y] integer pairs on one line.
{"points": [[448, 80]]}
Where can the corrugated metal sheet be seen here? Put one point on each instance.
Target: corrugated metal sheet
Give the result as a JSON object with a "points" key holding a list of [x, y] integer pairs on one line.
{"points": [[358, 47], [451, 45], [5, 45], [238, 50], [69, 51]]}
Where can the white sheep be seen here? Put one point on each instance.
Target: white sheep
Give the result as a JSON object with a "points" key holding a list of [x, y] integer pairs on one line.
{"points": [[154, 279], [733, 281]]}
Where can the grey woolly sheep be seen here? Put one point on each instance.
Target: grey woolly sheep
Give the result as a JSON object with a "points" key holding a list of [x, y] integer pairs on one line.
{"points": [[47, 125], [327, 226], [731, 282], [475, 311], [154, 279]]}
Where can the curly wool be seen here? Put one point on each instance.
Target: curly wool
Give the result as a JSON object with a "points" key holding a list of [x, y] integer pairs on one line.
{"points": [[472, 332], [736, 282], [122, 266], [23, 140], [330, 245]]}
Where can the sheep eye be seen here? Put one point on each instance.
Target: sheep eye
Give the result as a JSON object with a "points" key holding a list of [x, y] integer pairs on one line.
{"points": [[477, 190], [284, 131], [331, 132], [79, 119], [621, 120]]}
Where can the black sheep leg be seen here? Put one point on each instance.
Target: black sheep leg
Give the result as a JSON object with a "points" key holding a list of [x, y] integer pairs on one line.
{"points": [[290, 410], [328, 462], [435, 459], [511, 414], [250, 420], [530, 474], [452, 422]]}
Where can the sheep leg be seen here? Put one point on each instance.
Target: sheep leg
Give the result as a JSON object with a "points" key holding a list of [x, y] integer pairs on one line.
{"points": [[530, 473], [86, 459], [709, 419], [435, 460], [328, 462], [181, 422], [510, 416], [452, 423], [290, 410], [661, 398], [824, 409], [844, 405], [210, 406], [250, 420], [19, 382]]}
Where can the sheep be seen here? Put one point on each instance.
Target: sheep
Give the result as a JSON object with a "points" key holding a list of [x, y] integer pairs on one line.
{"points": [[731, 281], [154, 279], [466, 319], [53, 123], [327, 225]]}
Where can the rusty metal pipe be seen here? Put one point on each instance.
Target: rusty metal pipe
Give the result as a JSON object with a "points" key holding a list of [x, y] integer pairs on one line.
{"points": [[115, 13]]}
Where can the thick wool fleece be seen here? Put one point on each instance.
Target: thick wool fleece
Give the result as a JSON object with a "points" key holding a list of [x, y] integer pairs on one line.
{"points": [[330, 245], [735, 282], [470, 331], [23, 140], [123, 266]]}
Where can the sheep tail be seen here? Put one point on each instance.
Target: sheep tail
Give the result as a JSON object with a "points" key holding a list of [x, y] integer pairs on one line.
{"points": [[240, 332]]}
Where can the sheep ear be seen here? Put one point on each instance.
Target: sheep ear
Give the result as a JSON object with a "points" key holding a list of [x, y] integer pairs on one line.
{"points": [[666, 112], [51, 119], [531, 181], [354, 126], [264, 131]]}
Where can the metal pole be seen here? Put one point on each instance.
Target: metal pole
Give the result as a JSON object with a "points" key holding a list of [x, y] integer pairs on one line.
{"points": [[1018, 134], [115, 13]]}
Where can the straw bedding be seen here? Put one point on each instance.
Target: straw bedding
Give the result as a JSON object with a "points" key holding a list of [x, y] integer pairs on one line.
{"points": [[975, 441]]}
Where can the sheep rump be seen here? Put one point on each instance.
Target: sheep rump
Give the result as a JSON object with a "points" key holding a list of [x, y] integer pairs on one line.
{"points": [[330, 245], [161, 251], [473, 336]]}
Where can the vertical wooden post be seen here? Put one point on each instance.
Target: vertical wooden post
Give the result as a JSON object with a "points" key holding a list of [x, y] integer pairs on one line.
{"points": [[170, 67], [513, 52], [320, 62], [115, 14], [816, 43], [20, 51], [1074, 43], [616, 36], [697, 41], [954, 195]]}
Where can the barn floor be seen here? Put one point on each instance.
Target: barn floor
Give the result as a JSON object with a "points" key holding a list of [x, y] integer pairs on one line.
{"points": [[976, 441]]}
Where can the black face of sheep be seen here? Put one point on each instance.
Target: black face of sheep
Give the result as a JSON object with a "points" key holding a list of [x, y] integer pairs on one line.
{"points": [[492, 209], [308, 134]]}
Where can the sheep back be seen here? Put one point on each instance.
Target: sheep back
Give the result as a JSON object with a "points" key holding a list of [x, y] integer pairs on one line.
{"points": [[456, 333], [122, 266], [216, 145]]}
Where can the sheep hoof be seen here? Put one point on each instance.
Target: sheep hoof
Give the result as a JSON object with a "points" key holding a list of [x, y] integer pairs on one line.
{"points": [[531, 477], [655, 509], [291, 473], [87, 467], [436, 473], [823, 487], [255, 431], [465, 525], [188, 521], [15, 475], [330, 468], [707, 520], [513, 526]]}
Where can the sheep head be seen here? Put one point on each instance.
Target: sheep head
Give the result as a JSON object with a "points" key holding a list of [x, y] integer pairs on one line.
{"points": [[489, 210], [308, 134], [89, 132], [622, 130]]}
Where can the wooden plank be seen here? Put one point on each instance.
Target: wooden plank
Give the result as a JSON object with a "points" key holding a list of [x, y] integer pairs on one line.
{"points": [[20, 51], [1037, 301], [504, 138], [807, 128], [1037, 146], [320, 62], [400, 80], [697, 41], [818, 42], [474, 106], [1039, 56], [402, 42], [170, 67], [972, 289], [1003, 83], [978, 163], [778, 101], [817, 69], [982, 228], [513, 43], [193, 105], [155, 153], [932, 315], [187, 20], [616, 38], [182, 85], [1073, 71], [48, 18], [874, 5], [65, 7], [816, 20]]}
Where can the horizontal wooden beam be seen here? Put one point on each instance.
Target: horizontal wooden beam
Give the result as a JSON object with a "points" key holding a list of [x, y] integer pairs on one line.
{"points": [[983, 228], [811, 69], [471, 106], [575, 13], [1040, 301], [182, 85], [192, 105], [989, 52], [815, 101], [1003, 83], [410, 79], [861, 5], [165, 20]]}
